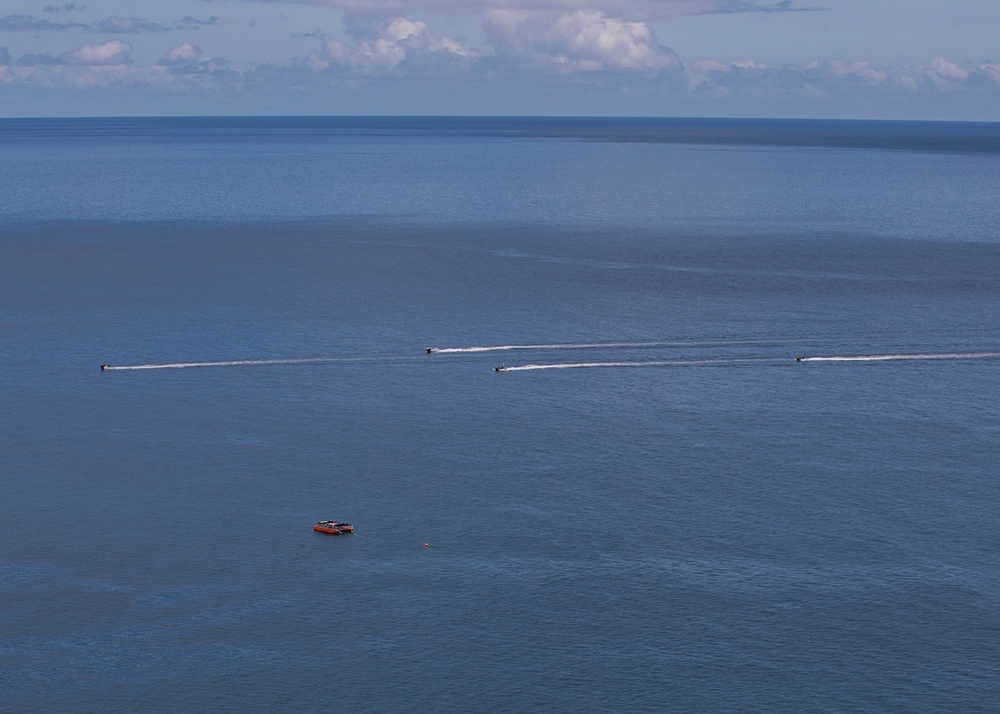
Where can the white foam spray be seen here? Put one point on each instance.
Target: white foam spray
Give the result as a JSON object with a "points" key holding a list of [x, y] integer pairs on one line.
{"points": [[591, 346], [225, 363], [648, 363], [902, 357]]}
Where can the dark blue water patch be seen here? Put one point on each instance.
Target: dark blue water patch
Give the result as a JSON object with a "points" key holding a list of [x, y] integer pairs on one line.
{"points": [[960, 137]]}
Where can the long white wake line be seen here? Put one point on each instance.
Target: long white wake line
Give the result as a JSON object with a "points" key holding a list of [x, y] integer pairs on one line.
{"points": [[651, 363], [581, 365], [755, 360], [902, 357], [591, 346], [227, 363]]}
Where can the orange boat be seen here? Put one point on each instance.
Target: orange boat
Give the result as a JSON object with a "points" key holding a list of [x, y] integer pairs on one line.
{"points": [[333, 527]]}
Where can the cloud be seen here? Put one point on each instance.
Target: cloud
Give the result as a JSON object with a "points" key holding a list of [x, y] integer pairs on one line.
{"points": [[182, 55], [111, 25], [190, 23], [572, 49], [644, 9], [733, 6], [189, 59], [62, 76], [35, 60], [854, 73], [827, 80], [126, 25], [989, 71], [838, 75], [27, 23], [65, 7], [109, 53], [398, 46], [583, 41], [946, 76]]}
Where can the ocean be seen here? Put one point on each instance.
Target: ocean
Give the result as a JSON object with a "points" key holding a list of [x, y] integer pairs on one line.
{"points": [[651, 506]]}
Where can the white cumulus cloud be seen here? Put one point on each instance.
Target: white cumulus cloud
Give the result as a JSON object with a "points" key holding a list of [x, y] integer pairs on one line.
{"points": [[534, 56], [398, 45], [183, 54], [860, 71], [580, 41], [945, 75], [109, 53]]}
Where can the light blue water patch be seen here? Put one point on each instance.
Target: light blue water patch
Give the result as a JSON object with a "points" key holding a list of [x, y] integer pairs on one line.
{"points": [[885, 178]]}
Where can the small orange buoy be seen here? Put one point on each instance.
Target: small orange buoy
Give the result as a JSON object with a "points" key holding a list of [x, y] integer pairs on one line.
{"points": [[427, 545]]}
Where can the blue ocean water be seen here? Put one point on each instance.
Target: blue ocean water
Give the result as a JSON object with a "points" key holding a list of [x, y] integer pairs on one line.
{"points": [[653, 507]]}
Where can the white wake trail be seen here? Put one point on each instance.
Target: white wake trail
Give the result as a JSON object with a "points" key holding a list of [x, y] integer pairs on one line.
{"points": [[226, 363], [903, 357], [589, 346], [651, 363]]}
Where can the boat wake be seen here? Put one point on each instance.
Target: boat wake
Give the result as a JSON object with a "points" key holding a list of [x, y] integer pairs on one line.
{"points": [[225, 363], [575, 365], [590, 346], [903, 357], [648, 363], [747, 361]]}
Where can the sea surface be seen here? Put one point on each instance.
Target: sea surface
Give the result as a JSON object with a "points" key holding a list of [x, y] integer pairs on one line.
{"points": [[651, 507]]}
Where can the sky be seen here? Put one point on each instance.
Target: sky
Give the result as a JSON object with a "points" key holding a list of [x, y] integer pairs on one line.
{"points": [[864, 59]]}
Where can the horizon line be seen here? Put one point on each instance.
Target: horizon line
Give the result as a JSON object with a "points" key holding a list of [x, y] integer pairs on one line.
{"points": [[619, 117]]}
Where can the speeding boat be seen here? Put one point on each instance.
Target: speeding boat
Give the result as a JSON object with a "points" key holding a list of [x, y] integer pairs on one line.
{"points": [[500, 368], [333, 527], [798, 359], [104, 367]]}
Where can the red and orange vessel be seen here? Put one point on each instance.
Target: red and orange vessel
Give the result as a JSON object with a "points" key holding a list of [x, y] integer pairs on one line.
{"points": [[333, 527]]}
